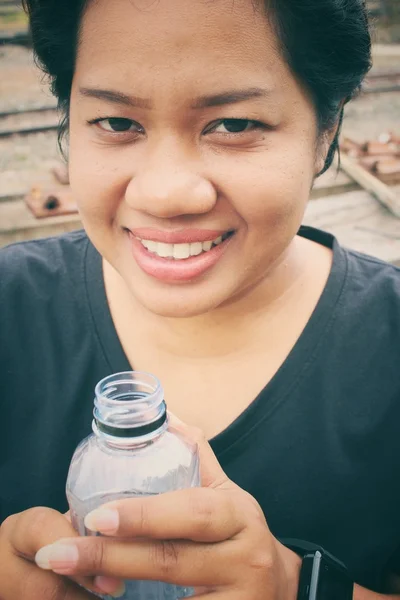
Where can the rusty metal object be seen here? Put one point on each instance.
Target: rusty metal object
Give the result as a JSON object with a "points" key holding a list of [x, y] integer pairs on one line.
{"points": [[351, 147], [51, 202], [377, 148], [388, 166], [380, 157], [368, 162], [377, 188], [373, 165]]}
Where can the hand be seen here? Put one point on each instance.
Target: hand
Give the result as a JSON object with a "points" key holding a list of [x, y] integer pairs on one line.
{"points": [[214, 538], [21, 536]]}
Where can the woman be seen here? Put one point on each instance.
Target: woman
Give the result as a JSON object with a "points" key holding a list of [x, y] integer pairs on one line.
{"points": [[196, 130]]}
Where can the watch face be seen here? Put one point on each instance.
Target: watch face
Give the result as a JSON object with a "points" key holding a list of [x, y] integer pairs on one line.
{"points": [[333, 583], [323, 579]]}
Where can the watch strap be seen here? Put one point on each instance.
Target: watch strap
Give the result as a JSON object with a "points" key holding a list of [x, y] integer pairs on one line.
{"points": [[316, 566], [302, 548]]}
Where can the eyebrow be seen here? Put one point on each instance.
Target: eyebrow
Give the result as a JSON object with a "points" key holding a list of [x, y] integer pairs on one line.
{"points": [[114, 97], [221, 99]]}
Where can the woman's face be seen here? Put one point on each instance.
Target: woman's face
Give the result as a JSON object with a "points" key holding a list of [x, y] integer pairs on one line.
{"points": [[186, 127]]}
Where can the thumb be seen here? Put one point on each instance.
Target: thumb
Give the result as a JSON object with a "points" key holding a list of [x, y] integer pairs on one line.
{"points": [[211, 472]]}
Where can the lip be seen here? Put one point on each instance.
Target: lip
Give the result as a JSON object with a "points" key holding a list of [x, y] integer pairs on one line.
{"points": [[169, 270], [182, 236]]}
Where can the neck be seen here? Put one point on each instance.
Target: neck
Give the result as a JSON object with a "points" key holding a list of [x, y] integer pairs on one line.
{"points": [[226, 329]]}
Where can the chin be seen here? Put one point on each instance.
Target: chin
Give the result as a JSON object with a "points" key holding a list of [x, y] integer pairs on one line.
{"points": [[174, 310], [178, 303]]}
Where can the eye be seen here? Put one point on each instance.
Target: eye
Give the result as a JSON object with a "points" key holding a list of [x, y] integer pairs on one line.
{"points": [[118, 125], [232, 126]]}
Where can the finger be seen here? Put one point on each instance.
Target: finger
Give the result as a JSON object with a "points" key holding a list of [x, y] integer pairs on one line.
{"points": [[20, 579], [212, 474], [38, 527], [211, 471], [214, 594], [181, 563], [197, 514]]}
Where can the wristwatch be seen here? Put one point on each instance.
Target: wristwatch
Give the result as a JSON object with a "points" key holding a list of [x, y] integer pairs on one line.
{"points": [[322, 576]]}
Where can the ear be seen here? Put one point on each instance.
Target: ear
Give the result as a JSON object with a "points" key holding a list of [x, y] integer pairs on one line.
{"points": [[324, 146], [327, 142]]}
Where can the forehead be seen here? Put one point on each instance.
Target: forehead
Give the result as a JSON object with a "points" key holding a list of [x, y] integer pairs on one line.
{"points": [[174, 40]]}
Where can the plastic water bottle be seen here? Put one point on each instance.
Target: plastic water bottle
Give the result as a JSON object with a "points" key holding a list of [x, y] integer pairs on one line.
{"points": [[131, 453]]}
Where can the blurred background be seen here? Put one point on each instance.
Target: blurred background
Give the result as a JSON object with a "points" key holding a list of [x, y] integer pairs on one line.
{"points": [[358, 202]]}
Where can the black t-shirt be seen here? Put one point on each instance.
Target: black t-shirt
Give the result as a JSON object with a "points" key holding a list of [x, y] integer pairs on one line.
{"points": [[319, 448]]}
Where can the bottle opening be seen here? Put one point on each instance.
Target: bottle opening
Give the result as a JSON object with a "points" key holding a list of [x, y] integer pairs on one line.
{"points": [[129, 404]]}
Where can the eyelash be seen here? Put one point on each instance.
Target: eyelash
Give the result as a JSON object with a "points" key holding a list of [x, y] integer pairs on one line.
{"points": [[99, 120], [254, 125]]}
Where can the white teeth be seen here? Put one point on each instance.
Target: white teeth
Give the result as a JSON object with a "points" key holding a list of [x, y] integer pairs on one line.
{"points": [[196, 248], [165, 250], [151, 246], [181, 251], [207, 246]]}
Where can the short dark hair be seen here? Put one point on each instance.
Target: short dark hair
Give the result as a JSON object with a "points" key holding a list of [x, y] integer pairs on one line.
{"points": [[326, 43]]}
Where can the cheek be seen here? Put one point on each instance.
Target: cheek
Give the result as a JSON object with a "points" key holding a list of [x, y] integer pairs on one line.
{"points": [[267, 187], [96, 182], [270, 188]]}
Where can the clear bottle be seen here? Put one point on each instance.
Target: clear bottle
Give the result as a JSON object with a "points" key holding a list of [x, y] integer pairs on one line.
{"points": [[131, 453]]}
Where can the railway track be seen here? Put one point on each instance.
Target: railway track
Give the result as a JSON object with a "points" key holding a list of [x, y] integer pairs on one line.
{"points": [[28, 121], [382, 81]]}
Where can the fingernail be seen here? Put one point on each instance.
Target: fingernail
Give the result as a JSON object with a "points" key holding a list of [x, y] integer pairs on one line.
{"points": [[57, 556], [110, 585], [103, 520]]}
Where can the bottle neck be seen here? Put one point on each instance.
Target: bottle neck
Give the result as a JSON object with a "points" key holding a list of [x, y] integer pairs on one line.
{"points": [[129, 409], [118, 443]]}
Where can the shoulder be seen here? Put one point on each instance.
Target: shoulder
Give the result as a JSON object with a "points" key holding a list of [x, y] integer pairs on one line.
{"points": [[365, 335], [43, 251], [40, 280], [369, 268], [364, 289], [35, 262], [43, 304], [372, 284]]}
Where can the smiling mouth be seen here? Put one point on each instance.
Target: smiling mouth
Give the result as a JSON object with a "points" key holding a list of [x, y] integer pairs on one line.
{"points": [[183, 251]]}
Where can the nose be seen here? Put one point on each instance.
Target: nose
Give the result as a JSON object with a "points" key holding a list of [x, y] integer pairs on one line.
{"points": [[169, 185]]}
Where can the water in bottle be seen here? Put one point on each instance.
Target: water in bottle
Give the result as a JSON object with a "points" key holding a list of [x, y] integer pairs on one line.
{"points": [[131, 453]]}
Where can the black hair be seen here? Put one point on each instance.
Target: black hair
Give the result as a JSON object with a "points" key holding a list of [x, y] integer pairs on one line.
{"points": [[326, 43]]}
